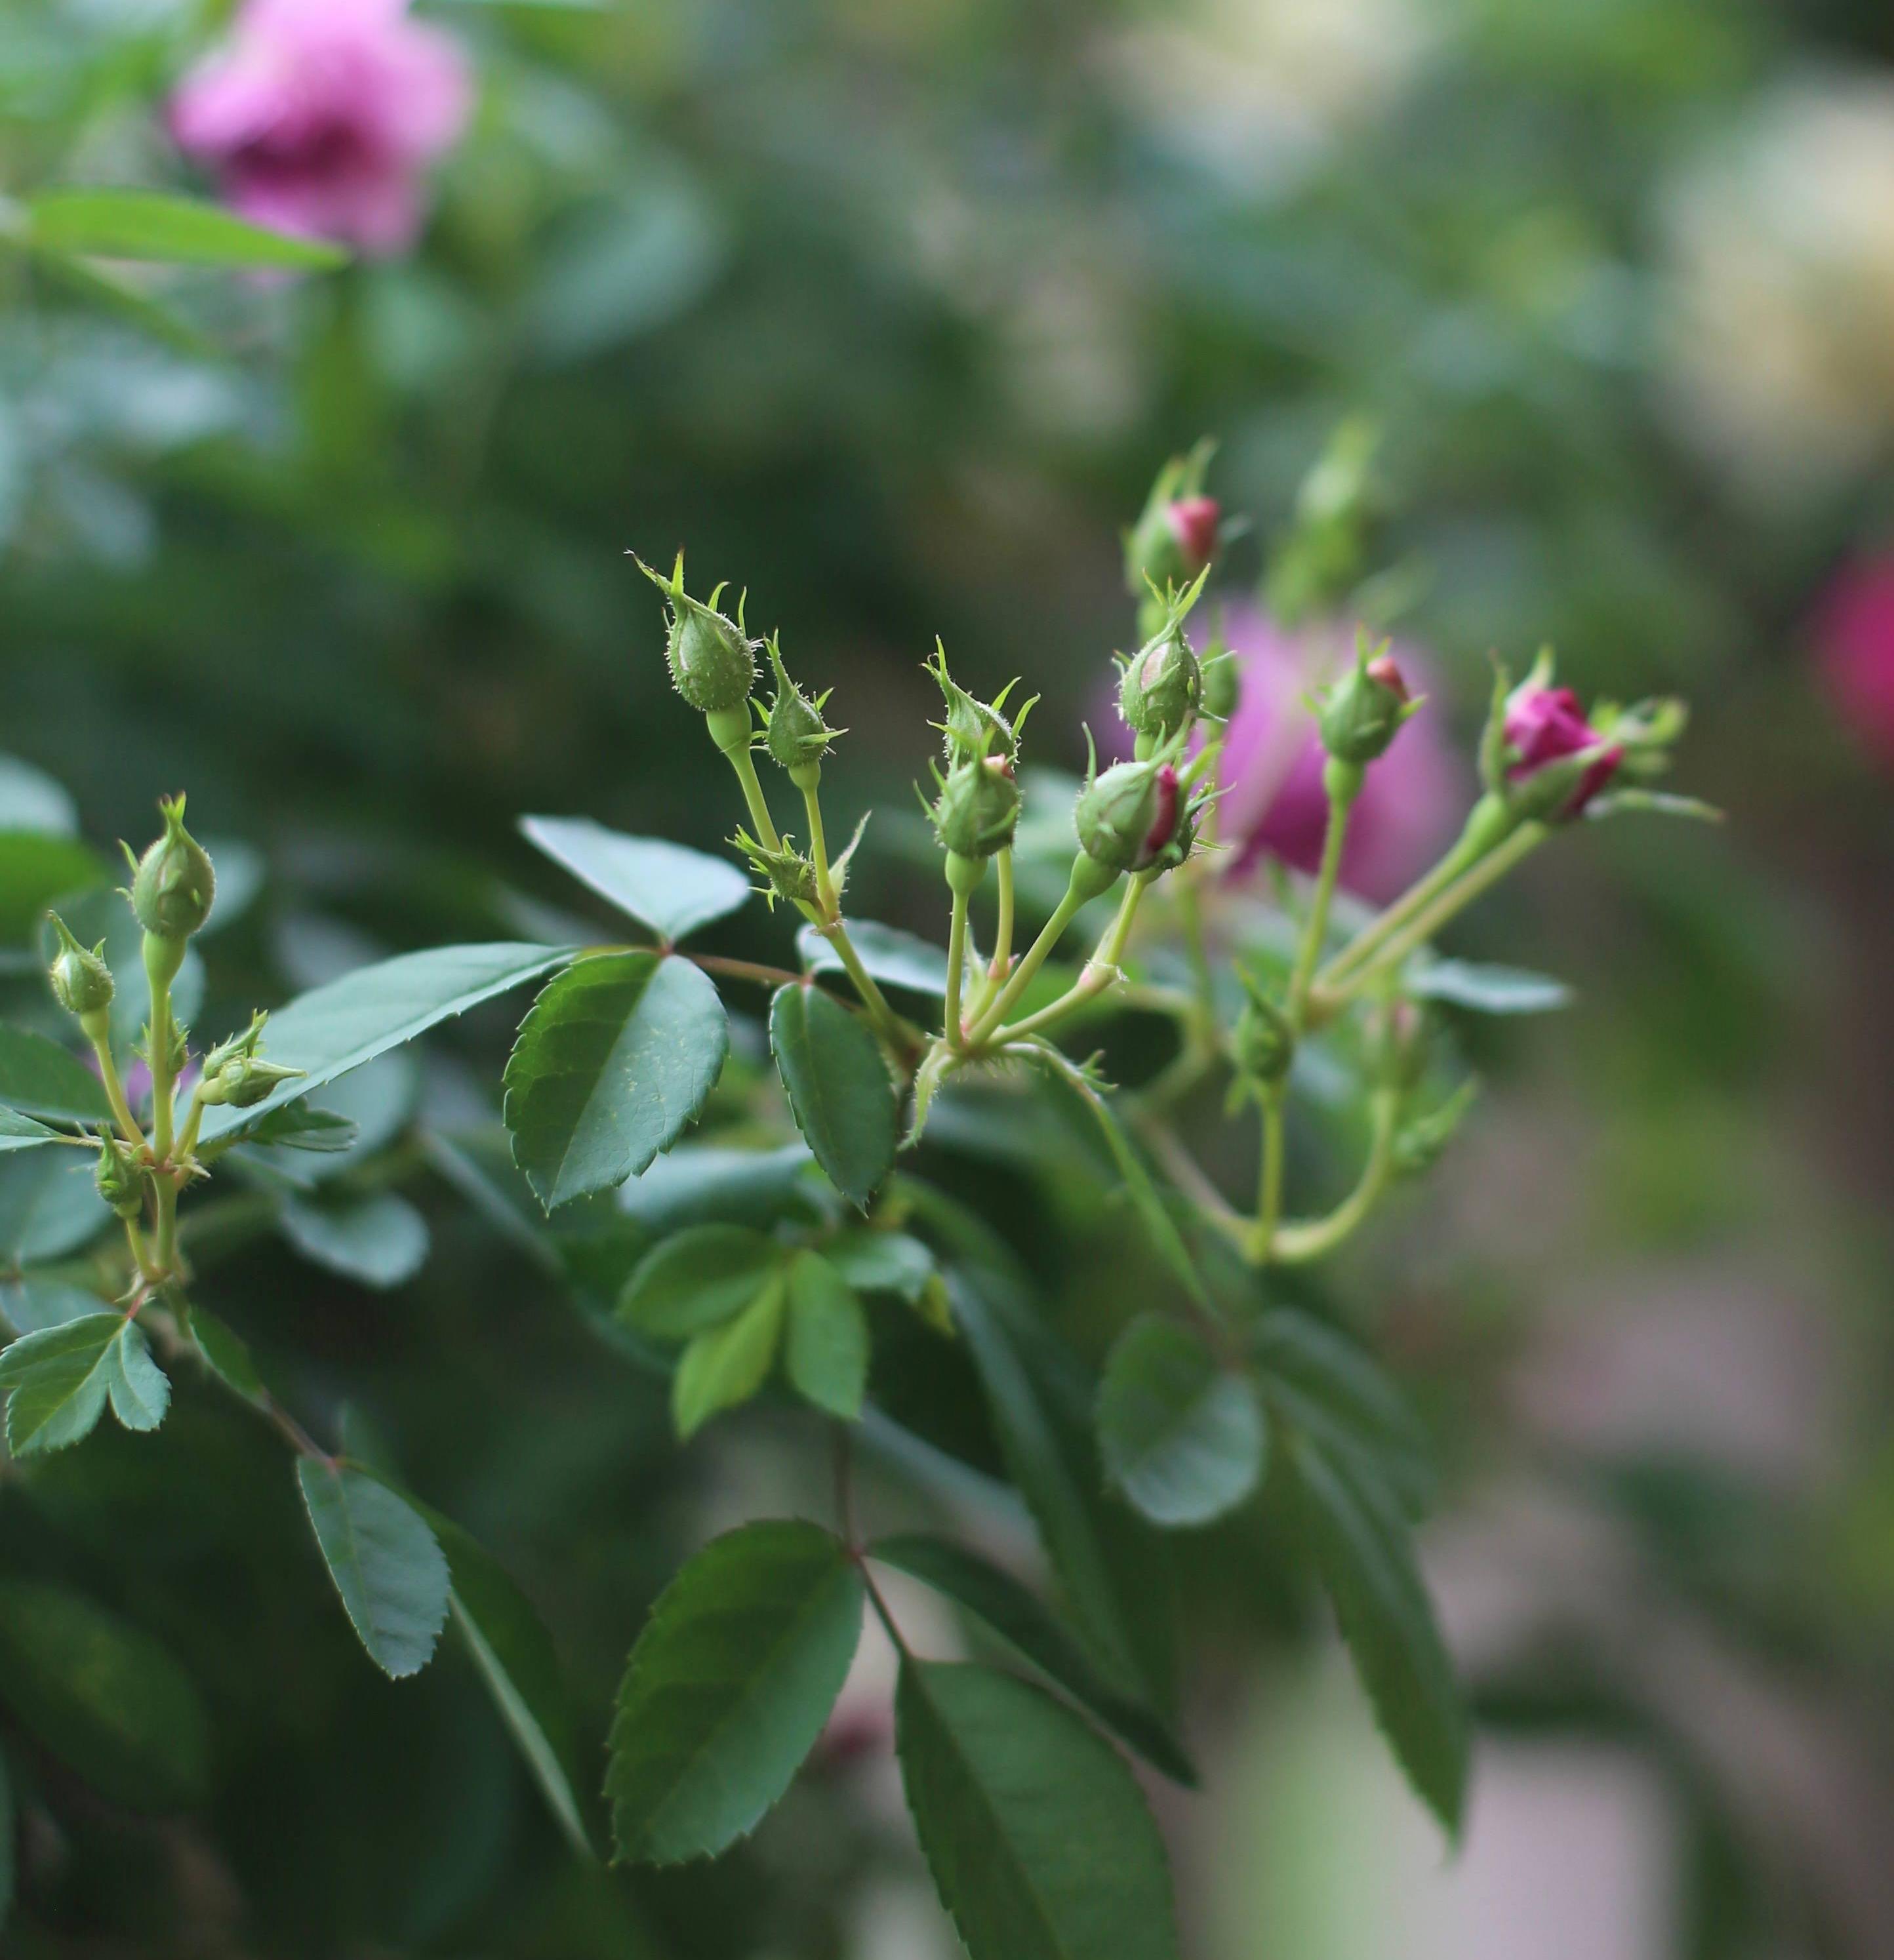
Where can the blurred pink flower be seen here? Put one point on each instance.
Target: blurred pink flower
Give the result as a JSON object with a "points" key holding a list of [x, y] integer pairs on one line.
{"points": [[1409, 808], [317, 117], [1546, 724], [1854, 642]]}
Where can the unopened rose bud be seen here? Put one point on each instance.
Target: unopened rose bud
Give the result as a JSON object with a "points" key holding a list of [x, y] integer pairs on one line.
{"points": [[795, 733], [1362, 713], [1557, 761], [1265, 1043], [1175, 535], [82, 981], [1160, 687], [235, 1073], [786, 872], [978, 809], [1125, 817], [974, 728], [173, 884], [1193, 523], [712, 660], [120, 1178]]}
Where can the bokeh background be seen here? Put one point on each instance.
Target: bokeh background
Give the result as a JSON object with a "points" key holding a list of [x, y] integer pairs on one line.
{"points": [[888, 310]]}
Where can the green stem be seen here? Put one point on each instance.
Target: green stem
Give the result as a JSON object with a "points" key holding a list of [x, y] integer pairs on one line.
{"points": [[956, 966], [1030, 962], [903, 1039], [760, 820], [115, 1093], [163, 1109], [819, 851], [1100, 971], [1269, 1179], [1190, 919], [1297, 1244], [1002, 925], [1343, 784], [165, 1250]]}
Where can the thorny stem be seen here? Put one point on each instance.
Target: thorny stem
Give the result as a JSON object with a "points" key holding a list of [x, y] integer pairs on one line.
{"points": [[1003, 926], [745, 969], [760, 820]]}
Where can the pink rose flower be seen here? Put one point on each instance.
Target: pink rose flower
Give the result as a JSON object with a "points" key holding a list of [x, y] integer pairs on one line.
{"points": [[1854, 645], [1546, 724], [1411, 805], [317, 117]]}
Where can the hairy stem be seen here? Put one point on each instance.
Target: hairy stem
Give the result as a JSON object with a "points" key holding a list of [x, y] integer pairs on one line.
{"points": [[1315, 928], [819, 853], [1030, 962], [950, 1028], [115, 1093]]}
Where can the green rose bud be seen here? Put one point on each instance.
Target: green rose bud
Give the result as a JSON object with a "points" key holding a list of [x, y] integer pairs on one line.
{"points": [[978, 808], [1175, 535], [713, 662], [973, 728], [1126, 817], [1362, 713], [173, 884], [235, 1073], [1161, 687], [795, 733], [1222, 687], [786, 872], [82, 981], [119, 1177], [1265, 1043]]}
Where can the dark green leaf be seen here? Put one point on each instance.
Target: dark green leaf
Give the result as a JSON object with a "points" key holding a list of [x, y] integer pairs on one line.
{"points": [[697, 1280], [663, 886], [881, 1262], [613, 1062], [40, 1077], [1028, 1627], [139, 1391], [1182, 1437], [57, 1380], [302, 1127], [378, 1242], [895, 958], [335, 1027], [1038, 1838], [391, 1573], [1358, 1538], [725, 1365], [225, 1353], [826, 1356], [729, 1687], [149, 224], [8, 1825], [103, 1696], [711, 1184], [839, 1088]]}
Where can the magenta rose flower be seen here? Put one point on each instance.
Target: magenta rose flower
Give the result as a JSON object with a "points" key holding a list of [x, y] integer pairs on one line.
{"points": [[319, 117], [1545, 725], [1273, 803], [1854, 645]]}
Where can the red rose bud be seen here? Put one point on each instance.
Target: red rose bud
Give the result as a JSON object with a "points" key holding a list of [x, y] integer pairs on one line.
{"points": [[1163, 820], [1175, 535], [1193, 522], [1382, 669], [1560, 761]]}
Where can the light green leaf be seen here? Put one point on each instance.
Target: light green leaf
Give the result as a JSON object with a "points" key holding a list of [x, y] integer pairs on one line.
{"points": [[40, 1077], [874, 1261], [379, 1241], [333, 1029], [1180, 1435], [31, 800], [1486, 990], [1038, 1838], [614, 1062], [839, 1089], [390, 1572], [1358, 1538], [728, 1687], [104, 1697], [225, 1352], [826, 1356], [150, 224], [725, 1365], [895, 958], [101, 914], [663, 886], [697, 1280], [22, 1133], [35, 867], [48, 1206], [139, 1391], [1029, 1627], [57, 1380]]}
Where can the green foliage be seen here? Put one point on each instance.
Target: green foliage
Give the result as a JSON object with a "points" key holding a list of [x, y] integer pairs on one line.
{"points": [[38, 1076], [612, 1066], [728, 1687], [379, 1241], [826, 1353], [896, 958], [838, 1087], [145, 225], [663, 886], [722, 1367], [60, 1378], [387, 1565], [1038, 1838]]}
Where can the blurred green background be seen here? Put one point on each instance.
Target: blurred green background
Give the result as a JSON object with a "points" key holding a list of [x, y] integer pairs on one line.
{"points": [[888, 310]]}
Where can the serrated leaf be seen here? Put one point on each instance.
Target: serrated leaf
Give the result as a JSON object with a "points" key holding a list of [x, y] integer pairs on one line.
{"points": [[40, 1077], [331, 1029], [825, 1355], [22, 1133], [839, 1089], [1038, 1840], [665, 886], [895, 958], [697, 1279], [153, 225], [225, 1352], [1180, 1435], [379, 1241], [1486, 990], [103, 1696], [387, 1565], [57, 1382], [139, 1393], [1029, 1627], [723, 1367], [881, 1262], [1358, 1538], [728, 1687], [613, 1063]]}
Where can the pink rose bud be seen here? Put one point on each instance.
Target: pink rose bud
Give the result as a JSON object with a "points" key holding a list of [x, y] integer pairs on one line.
{"points": [[1163, 823], [1193, 523], [318, 117], [1546, 725], [1382, 669]]}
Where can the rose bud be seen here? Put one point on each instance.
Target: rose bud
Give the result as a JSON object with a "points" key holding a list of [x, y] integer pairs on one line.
{"points": [[1560, 761], [976, 729], [119, 1179], [786, 872], [1362, 713], [712, 660], [173, 885], [1160, 687], [795, 733], [978, 809], [82, 982], [1125, 817], [1175, 535]]}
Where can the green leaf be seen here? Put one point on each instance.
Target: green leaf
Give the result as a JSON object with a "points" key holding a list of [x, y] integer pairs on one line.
{"points": [[614, 1062], [31, 800], [1358, 1538], [874, 1261], [40, 1077], [515, 1653], [22, 1133], [696, 1280], [390, 1570], [826, 1357], [57, 1380], [725, 1365], [1029, 1627], [30, 1303], [8, 1822], [101, 914], [895, 958], [379, 1241], [728, 1687], [1038, 1838], [1180, 1435], [48, 1206], [302, 1127], [663, 886], [139, 1391], [711, 1184], [104, 1697], [95, 286], [333, 1029], [35, 868], [225, 1353], [1486, 990], [839, 1089], [150, 224]]}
